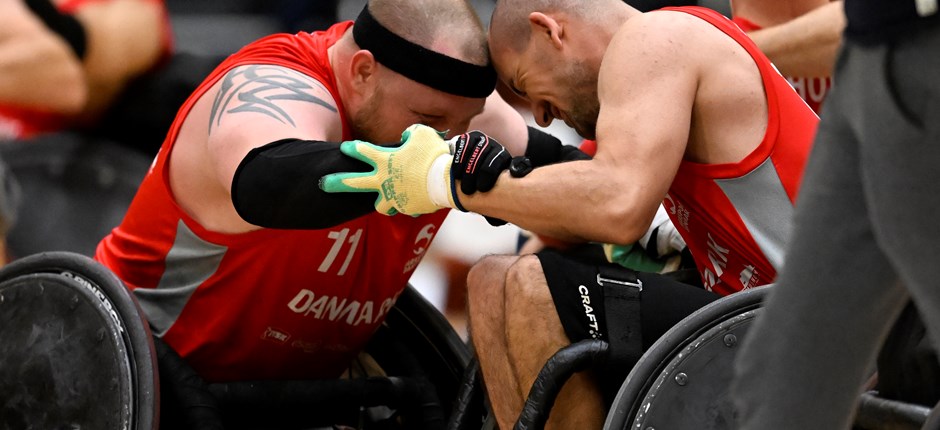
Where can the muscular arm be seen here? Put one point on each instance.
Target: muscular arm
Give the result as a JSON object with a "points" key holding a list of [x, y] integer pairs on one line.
{"points": [[641, 141], [801, 38], [125, 39], [37, 68], [250, 107], [259, 104]]}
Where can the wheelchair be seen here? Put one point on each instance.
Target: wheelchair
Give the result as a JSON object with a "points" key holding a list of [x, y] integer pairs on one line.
{"points": [[682, 381], [76, 352], [55, 305]]}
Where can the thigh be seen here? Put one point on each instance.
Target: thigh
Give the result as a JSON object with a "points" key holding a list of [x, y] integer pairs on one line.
{"points": [[587, 308]]}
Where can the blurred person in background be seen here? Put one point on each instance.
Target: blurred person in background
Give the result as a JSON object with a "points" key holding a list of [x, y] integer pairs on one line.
{"points": [[801, 38], [65, 62]]}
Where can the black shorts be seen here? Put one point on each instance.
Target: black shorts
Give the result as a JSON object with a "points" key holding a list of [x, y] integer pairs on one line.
{"points": [[599, 300]]}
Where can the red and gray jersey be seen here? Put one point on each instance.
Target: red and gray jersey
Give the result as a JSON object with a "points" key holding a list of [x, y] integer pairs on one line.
{"points": [[267, 304], [812, 89], [736, 217]]}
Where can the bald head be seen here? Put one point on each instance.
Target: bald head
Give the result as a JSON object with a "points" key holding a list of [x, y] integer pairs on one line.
{"points": [[509, 26], [438, 25]]}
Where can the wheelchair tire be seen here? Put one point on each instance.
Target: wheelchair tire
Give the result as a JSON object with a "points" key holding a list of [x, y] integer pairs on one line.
{"points": [[688, 370], [417, 341], [75, 344]]}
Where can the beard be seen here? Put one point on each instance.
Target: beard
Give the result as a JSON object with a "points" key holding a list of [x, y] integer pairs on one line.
{"points": [[585, 106], [367, 123]]}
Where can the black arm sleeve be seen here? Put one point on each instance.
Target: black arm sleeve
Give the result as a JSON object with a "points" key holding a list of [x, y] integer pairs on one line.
{"points": [[63, 24], [277, 186], [544, 149]]}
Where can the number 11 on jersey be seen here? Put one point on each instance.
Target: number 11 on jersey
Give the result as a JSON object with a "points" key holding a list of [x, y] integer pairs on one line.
{"points": [[339, 239]]}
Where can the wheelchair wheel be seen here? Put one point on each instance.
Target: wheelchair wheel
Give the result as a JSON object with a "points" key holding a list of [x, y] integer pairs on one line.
{"points": [[74, 349], [682, 381]]}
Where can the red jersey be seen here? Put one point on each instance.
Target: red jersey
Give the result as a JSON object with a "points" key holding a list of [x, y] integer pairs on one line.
{"points": [[812, 89], [17, 122], [266, 304], [736, 217]]}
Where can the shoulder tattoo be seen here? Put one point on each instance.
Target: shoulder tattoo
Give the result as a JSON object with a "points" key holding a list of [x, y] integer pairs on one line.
{"points": [[260, 88]]}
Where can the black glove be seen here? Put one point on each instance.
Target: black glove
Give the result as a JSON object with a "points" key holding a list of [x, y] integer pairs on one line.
{"points": [[478, 161], [544, 149]]}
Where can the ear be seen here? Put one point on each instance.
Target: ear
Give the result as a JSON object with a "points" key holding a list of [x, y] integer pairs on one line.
{"points": [[362, 72], [547, 25]]}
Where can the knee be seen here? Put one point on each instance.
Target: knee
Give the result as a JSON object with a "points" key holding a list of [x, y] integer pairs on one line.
{"points": [[526, 289], [486, 285], [503, 286]]}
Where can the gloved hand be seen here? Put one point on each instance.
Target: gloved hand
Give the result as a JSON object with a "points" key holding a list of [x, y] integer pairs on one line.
{"points": [[478, 161], [413, 178]]}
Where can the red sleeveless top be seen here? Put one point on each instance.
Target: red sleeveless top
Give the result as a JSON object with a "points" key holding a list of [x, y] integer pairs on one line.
{"points": [[736, 217], [813, 90], [267, 304]]}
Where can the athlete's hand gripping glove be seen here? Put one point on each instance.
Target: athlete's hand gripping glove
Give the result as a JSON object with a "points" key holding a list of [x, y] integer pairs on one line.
{"points": [[478, 162], [419, 176]]}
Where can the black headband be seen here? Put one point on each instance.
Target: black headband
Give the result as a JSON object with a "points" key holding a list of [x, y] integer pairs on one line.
{"points": [[420, 64]]}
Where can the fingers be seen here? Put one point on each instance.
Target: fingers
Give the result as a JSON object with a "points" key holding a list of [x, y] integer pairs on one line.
{"points": [[350, 182], [421, 133], [365, 152]]}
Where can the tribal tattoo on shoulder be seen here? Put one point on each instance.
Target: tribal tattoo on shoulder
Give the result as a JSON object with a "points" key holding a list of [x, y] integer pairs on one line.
{"points": [[259, 88]]}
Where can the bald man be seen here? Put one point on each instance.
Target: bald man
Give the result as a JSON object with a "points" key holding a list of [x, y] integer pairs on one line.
{"points": [[687, 112]]}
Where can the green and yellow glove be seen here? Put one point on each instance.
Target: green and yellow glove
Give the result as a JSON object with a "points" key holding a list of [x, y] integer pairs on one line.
{"points": [[413, 178]]}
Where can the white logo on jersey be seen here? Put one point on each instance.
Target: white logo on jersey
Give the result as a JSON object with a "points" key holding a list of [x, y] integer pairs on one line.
{"points": [[424, 239], [422, 242], [749, 277], [680, 213], [276, 335], [811, 89], [718, 256], [335, 309]]}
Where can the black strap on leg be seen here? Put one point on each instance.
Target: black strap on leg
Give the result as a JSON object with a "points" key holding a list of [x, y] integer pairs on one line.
{"points": [[622, 291]]}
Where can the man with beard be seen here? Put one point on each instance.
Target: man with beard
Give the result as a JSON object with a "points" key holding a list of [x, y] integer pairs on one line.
{"points": [[686, 112], [239, 261]]}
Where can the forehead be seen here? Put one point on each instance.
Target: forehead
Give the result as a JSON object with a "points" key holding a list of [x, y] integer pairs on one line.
{"points": [[507, 64], [425, 100]]}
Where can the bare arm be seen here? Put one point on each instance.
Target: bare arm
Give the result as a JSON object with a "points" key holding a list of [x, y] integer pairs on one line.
{"points": [[258, 104], [804, 45], [641, 141], [125, 39], [37, 68], [249, 107]]}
